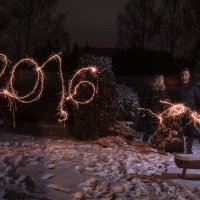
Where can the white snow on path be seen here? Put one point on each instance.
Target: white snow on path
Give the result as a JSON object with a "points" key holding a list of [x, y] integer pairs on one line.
{"points": [[113, 164]]}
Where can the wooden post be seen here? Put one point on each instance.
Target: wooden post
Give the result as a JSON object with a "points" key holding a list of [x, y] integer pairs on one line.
{"points": [[183, 172]]}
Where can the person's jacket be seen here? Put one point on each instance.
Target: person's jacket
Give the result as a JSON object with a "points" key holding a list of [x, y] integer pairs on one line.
{"points": [[152, 100], [189, 94]]}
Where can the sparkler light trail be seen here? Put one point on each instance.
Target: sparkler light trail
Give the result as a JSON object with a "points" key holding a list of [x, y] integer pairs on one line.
{"points": [[173, 111], [11, 94], [73, 92]]}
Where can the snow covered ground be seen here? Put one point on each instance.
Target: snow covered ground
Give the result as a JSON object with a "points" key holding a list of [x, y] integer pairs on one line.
{"points": [[108, 168]]}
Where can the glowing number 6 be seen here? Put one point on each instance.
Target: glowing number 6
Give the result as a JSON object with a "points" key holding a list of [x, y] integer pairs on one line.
{"points": [[73, 91]]}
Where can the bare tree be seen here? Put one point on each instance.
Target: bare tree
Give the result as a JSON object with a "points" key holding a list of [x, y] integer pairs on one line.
{"points": [[34, 24], [192, 26], [135, 23], [156, 25], [171, 31]]}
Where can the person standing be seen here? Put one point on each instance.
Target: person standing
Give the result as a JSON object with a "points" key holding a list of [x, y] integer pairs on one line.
{"points": [[155, 93], [189, 95]]}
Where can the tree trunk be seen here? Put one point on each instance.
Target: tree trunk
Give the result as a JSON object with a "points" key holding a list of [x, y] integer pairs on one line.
{"points": [[29, 25], [144, 24]]}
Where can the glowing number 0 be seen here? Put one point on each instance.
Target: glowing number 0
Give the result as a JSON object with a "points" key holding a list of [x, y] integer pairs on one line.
{"points": [[10, 92]]}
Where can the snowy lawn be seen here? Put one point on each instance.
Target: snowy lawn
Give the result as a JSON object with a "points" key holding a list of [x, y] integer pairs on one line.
{"points": [[108, 168]]}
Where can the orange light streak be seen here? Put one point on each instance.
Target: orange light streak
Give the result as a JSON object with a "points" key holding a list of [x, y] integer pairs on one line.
{"points": [[35, 94], [173, 111]]}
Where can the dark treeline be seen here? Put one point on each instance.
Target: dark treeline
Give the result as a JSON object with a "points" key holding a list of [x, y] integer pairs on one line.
{"points": [[154, 36], [32, 28], [133, 61], [170, 26]]}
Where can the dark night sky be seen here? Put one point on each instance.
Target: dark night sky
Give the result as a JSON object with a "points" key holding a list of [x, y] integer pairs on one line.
{"points": [[93, 21]]}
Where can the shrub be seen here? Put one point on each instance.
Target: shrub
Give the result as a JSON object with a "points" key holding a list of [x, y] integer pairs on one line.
{"points": [[93, 120], [126, 103]]}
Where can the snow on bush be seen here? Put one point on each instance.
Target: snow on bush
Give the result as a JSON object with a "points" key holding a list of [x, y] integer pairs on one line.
{"points": [[126, 103]]}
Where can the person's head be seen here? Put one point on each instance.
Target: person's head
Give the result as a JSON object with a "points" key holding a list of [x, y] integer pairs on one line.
{"points": [[185, 75], [158, 82]]}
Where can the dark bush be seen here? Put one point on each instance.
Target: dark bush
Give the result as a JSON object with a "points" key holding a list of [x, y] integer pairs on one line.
{"points": [[126, 104], [93, 120]]}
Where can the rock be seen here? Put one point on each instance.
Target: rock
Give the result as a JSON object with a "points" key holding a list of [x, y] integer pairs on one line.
{"points": [[181, 198], [59, 188], [103, 189], [79, 168], [51, 166], [190, 188], [163, 196], [106, 183], [119, 189], [164, 186], [130, 177], [47, 176], [111, 196], [146, 180], [198, 192], [188, 194], [111, 141], [87, 190], [119, 128], [79, 195], [93, 181]]}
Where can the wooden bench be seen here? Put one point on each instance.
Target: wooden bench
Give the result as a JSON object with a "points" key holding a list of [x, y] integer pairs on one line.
{"points": [[187, 161]]}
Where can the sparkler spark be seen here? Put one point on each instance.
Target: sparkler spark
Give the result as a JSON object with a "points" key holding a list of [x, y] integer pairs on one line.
{"points": [[173, 111], [33, 95]]}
